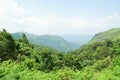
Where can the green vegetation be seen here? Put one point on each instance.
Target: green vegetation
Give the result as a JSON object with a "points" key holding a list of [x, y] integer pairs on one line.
{"points": [[21, 60], [55, 42], [110, 34], [7, 46]]}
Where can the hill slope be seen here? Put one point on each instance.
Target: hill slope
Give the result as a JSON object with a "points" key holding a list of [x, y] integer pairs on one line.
{"points": [[21, 60], [52, 41], [110, 34]]}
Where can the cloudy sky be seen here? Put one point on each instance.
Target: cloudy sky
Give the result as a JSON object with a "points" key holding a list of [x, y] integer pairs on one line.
{"points": [[59, 16]]}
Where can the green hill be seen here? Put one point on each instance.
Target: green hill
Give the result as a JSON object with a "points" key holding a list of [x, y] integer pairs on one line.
{"points": [[110, 34], [21, 60], [53, 41]]}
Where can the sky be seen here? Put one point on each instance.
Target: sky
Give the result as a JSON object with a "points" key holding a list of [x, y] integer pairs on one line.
{"points": [[59, 16]]}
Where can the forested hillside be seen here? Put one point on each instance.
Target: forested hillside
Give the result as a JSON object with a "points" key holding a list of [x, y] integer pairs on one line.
{"points": [[21, 60], [111, 34], [53, 41]]}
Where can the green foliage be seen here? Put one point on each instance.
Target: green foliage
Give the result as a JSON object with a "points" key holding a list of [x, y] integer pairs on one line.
{"points": [[116, 61], [116, 71], [66, 74], [102, 64], [24, 39], [110, 34], [21, 60], [7, 46]]}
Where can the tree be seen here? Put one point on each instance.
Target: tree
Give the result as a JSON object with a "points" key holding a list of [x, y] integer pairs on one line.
{"points": [[7, 46], [46, 59], [4, 30], [24, 39]]}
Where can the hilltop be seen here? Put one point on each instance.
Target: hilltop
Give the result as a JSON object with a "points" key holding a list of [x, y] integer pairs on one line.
{"points": [[111, 34]]}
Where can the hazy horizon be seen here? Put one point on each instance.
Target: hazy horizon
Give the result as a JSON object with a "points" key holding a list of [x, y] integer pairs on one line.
{"points": [[59, 17]]}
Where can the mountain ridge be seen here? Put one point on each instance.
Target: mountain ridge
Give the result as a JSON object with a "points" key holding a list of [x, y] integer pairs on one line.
{"points": [[111, 34], [53, 41]]}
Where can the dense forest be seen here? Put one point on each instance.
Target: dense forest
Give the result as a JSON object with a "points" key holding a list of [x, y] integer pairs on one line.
{"points": [[97, 60]]}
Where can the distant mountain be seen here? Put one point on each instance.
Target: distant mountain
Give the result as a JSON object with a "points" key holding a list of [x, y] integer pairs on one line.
{"points": [[78, 39], [52, 41], [110, 34]]}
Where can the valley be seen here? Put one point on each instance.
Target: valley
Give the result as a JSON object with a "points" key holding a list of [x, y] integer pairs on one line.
{"points": [[93, 60]]}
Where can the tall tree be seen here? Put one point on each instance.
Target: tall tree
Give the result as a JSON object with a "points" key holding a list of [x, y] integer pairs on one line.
{"points": [[24, 39], [7, 46], [4, 30]]}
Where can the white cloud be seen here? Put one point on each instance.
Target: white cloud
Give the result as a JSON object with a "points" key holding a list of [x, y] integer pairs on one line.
{"points": [[13, 17], [53, 24], [108, 22], [10, 7], [10, 11], [113, 20]]}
